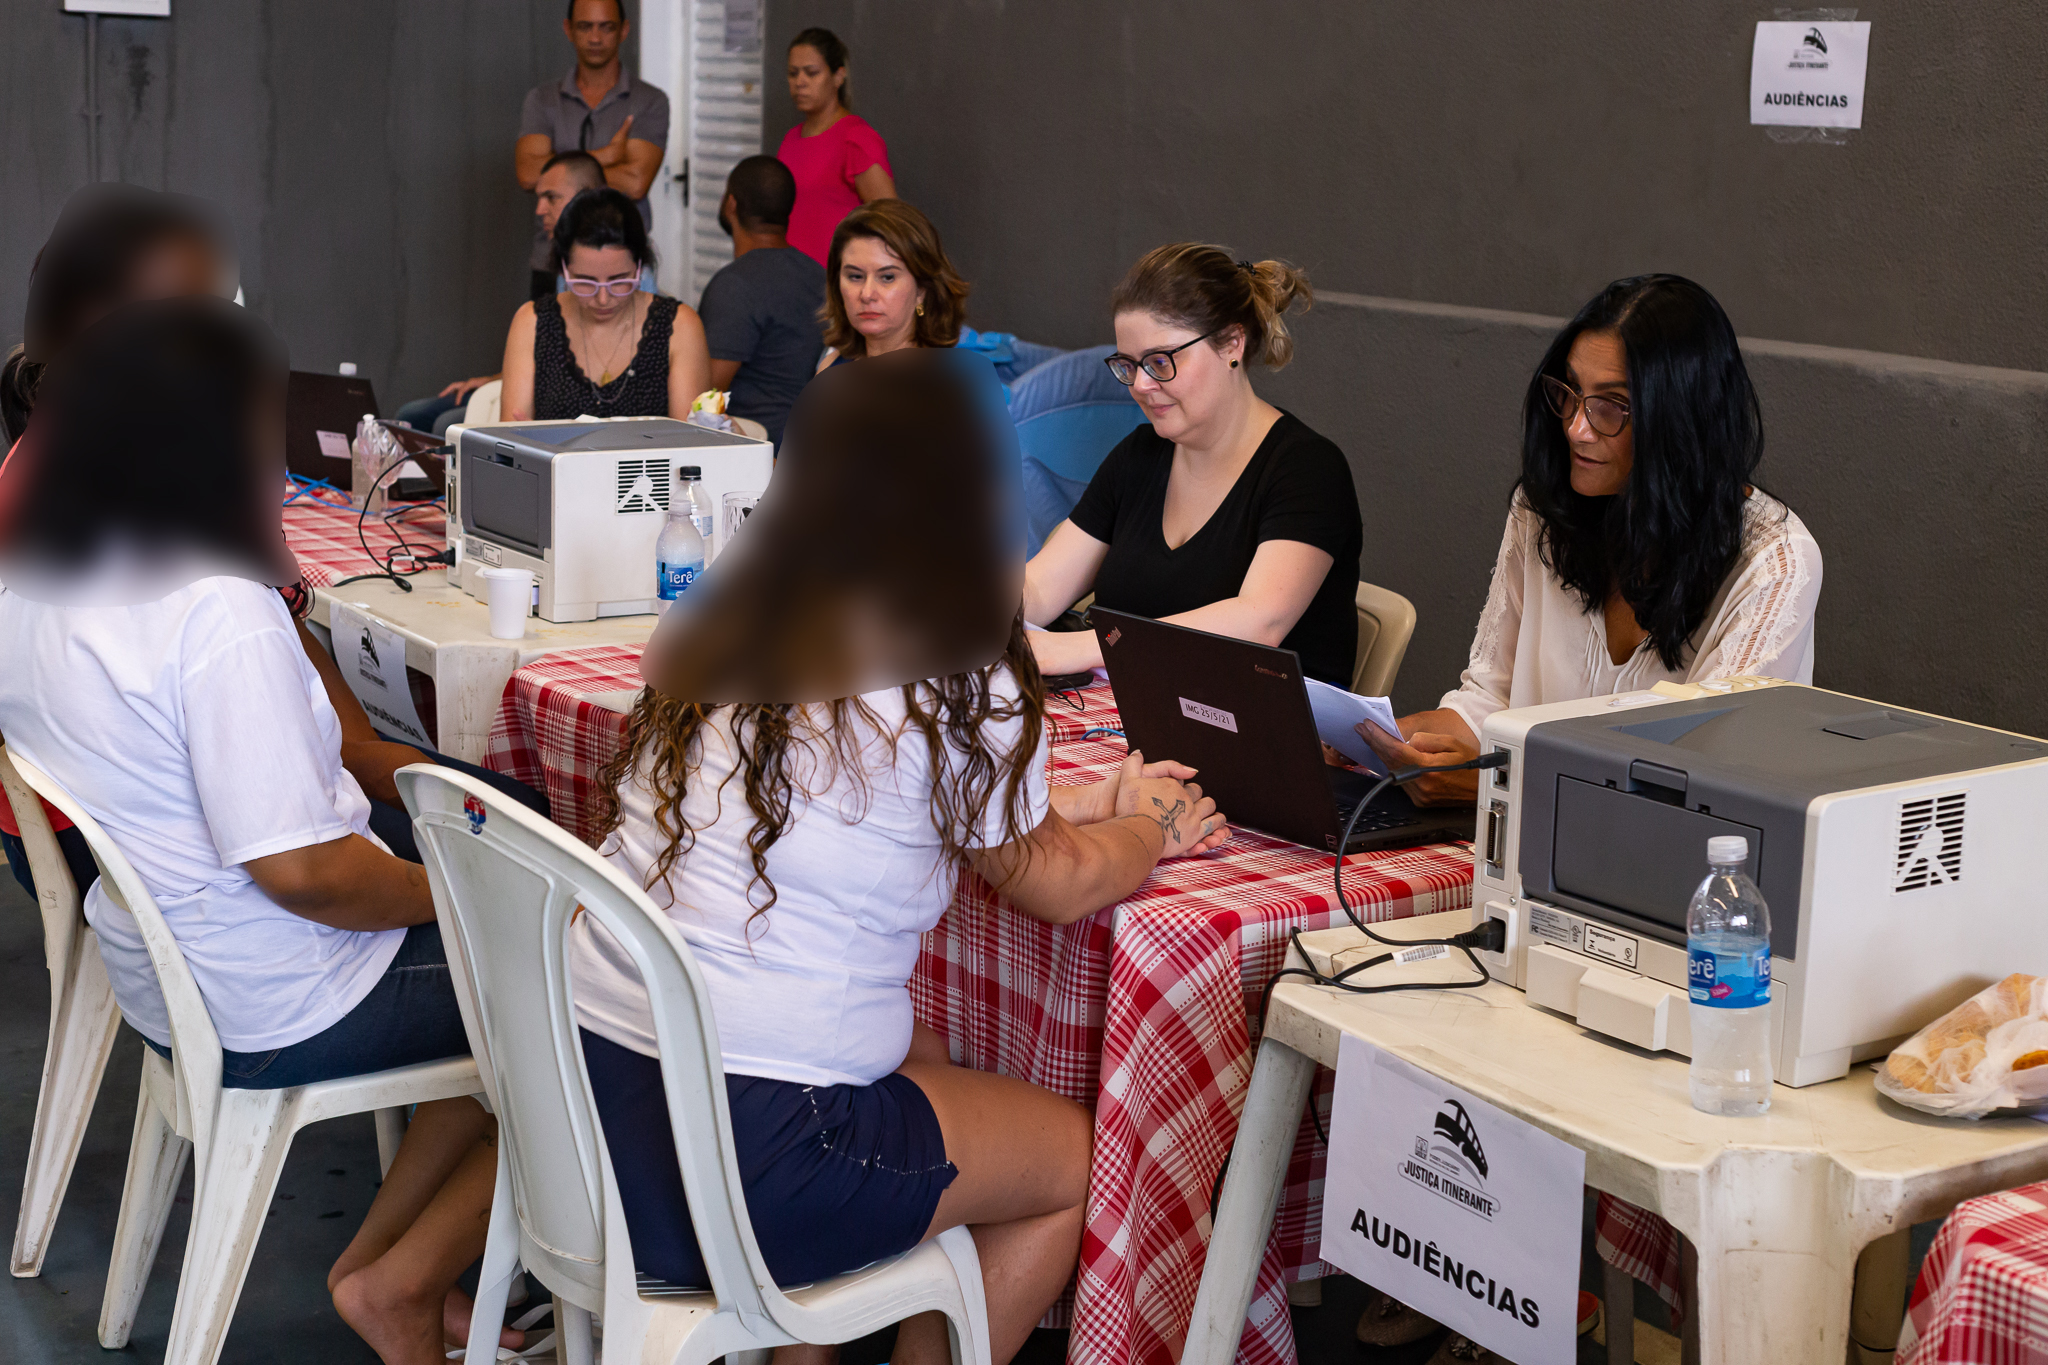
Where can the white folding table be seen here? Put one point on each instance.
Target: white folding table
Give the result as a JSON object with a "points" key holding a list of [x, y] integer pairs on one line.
{"points": [[1778, 1208], [448, 637]]}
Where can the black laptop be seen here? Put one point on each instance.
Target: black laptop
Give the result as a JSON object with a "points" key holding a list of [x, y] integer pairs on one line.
{"points": [[320, 416], [1239, 713]]}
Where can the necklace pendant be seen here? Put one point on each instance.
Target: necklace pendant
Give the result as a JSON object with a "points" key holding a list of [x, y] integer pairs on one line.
{"points": [[604, 379]]}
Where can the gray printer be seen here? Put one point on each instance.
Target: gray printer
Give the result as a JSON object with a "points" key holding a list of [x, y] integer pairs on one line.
{"points": [[1900, 853]]}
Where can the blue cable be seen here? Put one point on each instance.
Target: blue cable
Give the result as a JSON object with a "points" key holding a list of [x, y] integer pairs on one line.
{"points": [[1102, 730]]}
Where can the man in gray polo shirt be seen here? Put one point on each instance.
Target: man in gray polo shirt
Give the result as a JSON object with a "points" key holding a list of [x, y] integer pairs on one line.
{"points": [[600, 108]]}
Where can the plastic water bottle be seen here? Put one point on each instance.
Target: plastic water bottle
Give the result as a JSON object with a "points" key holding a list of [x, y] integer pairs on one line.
{"points": [[678, 554], [1728, 951], [692, 492]]}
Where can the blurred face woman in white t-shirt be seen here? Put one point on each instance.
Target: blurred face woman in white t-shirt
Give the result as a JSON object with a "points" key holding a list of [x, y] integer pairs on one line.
{"points": [[872, 726], [154, 671]]}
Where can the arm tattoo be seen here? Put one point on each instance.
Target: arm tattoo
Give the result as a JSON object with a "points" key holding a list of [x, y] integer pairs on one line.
{"points": [[1169, 819]]}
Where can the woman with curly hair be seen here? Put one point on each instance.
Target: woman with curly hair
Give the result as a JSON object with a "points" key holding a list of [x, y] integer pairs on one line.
{"points": [[1638, 548], [844, 723]]}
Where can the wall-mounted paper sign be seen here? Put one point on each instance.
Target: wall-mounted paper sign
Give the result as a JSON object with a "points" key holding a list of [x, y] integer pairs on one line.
{"points": [[372, 659], [1809, 75], [147, 9], [1456, 1209]]}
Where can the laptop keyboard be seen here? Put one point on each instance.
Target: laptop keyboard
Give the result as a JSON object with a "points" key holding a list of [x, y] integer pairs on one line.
{"points": [[1377, 818]]}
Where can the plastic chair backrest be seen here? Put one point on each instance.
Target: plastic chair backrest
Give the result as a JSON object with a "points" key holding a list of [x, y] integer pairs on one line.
{"points": [[485, 403], [56, 890], [506, 885], [195, 1045], [1070, 411], [1386, 622]]}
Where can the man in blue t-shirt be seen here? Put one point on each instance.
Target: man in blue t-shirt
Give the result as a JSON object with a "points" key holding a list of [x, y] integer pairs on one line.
{"points": [[761, 312]]}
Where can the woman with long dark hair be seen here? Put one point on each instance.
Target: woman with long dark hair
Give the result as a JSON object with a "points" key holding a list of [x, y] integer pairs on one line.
{"points": [[843, 717], [1639, 548]]}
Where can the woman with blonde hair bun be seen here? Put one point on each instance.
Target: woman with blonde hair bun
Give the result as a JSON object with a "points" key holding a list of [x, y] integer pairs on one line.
{"points": [[1223, 513]]}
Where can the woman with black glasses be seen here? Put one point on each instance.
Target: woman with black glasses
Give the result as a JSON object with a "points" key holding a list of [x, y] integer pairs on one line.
{"points": [[1223, 513], [603, 348], [1638, 548]]}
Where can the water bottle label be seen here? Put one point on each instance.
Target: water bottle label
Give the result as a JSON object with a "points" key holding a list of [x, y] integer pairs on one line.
{"points": [[1729, 981], [674, 579]]}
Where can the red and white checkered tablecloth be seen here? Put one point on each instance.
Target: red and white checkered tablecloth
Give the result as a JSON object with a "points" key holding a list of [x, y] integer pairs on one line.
{"points": [[324, 538], [1142, 1012], [1982, 1295]]}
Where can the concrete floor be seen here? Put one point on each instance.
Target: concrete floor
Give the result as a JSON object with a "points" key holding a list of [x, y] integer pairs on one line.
{"points": [[285, 1314], [327, 1186]]}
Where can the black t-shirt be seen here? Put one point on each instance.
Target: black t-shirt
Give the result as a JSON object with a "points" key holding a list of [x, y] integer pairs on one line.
{"points": [[762, 310], [1297, 487]]}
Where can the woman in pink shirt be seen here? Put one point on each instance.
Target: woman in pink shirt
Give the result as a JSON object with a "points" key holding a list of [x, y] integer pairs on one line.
{"points": [[839, 161]]}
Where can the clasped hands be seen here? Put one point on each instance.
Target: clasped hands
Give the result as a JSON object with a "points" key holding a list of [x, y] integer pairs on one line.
{"points": [[1163, 792]]}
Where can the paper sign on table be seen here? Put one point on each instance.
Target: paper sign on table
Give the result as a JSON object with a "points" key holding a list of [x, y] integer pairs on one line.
{"points": [[1809, 75], [372, 659], [1456, 1209], [333, 444], [1337, 715]]}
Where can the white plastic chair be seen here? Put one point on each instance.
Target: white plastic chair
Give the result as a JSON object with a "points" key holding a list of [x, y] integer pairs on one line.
{"points": [[83, 1022], [485, 403], [241, 1136], [506, 885]]}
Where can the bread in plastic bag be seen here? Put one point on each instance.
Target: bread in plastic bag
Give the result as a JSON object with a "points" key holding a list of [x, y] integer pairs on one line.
{"points": [[1988, 1053]]}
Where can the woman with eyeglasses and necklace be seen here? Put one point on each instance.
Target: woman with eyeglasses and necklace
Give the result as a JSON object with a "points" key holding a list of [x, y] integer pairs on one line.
{"points": [[603, 348], [1638, 548], [1223, 513]]}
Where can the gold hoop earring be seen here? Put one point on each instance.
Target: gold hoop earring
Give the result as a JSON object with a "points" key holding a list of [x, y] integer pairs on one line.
{"points": [[920, 310]]}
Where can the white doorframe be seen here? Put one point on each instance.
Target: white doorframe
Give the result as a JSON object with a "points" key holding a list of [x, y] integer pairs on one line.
{"points": [[714, 120], [665, 62]]}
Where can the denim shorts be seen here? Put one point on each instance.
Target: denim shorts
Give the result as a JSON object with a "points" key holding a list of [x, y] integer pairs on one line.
{"points": [[409, 1016], [836, 1176]]}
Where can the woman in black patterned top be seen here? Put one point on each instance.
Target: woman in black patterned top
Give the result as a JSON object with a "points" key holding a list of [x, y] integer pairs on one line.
{"points": [[603, 348]]}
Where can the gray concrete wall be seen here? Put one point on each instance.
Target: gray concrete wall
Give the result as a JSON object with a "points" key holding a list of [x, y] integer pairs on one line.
{"points": [[1922, 480], [363, 151], [1468, 174]]}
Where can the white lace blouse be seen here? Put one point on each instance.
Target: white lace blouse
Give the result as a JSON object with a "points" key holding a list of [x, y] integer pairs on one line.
{"points": [[1538, 644]]}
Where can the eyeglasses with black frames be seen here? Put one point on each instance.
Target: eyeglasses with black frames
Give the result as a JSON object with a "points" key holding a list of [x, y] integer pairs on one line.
{"points": [[1158, 364]]}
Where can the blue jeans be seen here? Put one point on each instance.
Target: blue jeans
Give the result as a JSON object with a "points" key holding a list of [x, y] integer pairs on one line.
{"points": [[409, 1016], [425, 414], [84, 870]]}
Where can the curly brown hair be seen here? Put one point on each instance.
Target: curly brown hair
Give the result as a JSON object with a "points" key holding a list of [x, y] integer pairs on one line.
{"points": [[664, 745], [913, 240]]}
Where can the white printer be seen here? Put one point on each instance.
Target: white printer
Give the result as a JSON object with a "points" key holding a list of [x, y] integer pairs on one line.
{"points": [[1900, 853], [582, 502]]}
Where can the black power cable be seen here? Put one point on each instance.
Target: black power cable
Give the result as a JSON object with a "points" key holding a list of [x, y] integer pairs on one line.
{"points": [[1490, 935], [401, 547]]}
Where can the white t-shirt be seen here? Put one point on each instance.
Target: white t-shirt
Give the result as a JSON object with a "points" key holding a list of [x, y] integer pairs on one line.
{"points": [[812, 991], [1537, 643], [196, 731]]}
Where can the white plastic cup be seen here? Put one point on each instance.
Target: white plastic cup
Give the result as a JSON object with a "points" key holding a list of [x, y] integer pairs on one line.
{"points": [[510, 593]]}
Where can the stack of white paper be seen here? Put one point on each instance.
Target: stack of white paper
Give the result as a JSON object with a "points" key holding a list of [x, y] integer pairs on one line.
{"points": [[1337, 715]]}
